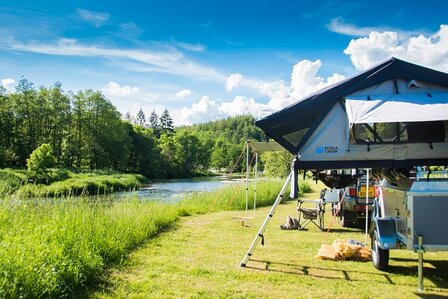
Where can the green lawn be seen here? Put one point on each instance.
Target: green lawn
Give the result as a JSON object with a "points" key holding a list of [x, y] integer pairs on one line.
{"points": [[201, 255]]}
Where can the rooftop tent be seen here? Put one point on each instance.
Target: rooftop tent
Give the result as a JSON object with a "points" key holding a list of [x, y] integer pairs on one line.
{"points": [[392, 115]]}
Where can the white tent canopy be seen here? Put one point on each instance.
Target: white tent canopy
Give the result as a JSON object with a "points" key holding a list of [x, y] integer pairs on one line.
{"points": [[397, 108]]}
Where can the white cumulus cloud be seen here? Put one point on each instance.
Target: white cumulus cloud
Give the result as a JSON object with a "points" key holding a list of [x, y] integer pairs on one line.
{"points": [[243, 105], [204, 110], [183, 93], [114, 89], [9, 84], [430, 51], [207, 109], [305, 81], [233, 81]]}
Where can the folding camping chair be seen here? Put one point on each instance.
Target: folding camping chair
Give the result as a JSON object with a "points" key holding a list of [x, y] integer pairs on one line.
{"points": [[311, 215], [316, 215]]}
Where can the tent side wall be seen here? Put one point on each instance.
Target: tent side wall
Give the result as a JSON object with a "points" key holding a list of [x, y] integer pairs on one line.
{"points": [[332, 145]]}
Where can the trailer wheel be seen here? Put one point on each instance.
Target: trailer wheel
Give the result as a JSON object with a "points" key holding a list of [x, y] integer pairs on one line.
{"points": [[380, 257]]}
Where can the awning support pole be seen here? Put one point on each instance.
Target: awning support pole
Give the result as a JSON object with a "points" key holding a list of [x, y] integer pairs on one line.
{"points": [[367, 205], [247, 177], [255, 182], [260, 233]]}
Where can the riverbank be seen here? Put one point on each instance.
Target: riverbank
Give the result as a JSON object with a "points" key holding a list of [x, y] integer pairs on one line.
{"points": [[64, 183], [201, 257], [51, 248]]}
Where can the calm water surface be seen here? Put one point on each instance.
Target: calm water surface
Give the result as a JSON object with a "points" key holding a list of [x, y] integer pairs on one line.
{"points": [[173, 190]]}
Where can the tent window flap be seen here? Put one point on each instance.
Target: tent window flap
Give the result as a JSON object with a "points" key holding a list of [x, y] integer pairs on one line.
{"points": [[397, 108]]}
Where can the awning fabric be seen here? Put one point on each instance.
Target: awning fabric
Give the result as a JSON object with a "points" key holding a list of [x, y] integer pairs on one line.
{"points": [[397, 108], [262, 147]]}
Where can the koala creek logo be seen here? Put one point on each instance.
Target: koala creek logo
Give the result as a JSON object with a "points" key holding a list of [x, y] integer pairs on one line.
{"points": [[328, 149]]}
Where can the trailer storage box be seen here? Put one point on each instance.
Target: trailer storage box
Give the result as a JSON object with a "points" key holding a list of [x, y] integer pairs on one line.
{"points": [[429, 219]]}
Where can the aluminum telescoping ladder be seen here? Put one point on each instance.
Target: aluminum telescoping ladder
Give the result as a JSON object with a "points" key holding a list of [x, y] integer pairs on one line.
{"points": [[260, 233]]}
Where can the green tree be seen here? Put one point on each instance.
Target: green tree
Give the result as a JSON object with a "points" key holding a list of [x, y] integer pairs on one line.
{"points": [[154, 123], [141, 118], [187, 152], [54, 117], [277, 164], [168, 149], [144, 155], [219, 158], [26, 120], [8, 156], [166, 123], [39, 162]]}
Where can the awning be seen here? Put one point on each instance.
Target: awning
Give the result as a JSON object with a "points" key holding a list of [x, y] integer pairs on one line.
{"points": [[262, 147], [397, 108]]}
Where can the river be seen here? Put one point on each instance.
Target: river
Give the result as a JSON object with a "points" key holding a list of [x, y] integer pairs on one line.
{"points": [[176, 189]]}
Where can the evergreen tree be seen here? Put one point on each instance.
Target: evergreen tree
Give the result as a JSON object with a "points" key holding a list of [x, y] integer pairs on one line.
{"points": [[154, 123], [141, 118], [128, 117], [166, 123]]}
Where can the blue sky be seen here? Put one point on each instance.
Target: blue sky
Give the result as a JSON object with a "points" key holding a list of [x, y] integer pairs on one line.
{"points": [[211, 59]]}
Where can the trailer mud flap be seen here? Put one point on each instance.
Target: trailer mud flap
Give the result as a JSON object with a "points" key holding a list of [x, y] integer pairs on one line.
{"points": [[386, 234]]}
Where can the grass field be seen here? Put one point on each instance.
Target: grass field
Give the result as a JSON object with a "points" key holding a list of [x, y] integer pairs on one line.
{"points": [[201, 256], [52, 247]]}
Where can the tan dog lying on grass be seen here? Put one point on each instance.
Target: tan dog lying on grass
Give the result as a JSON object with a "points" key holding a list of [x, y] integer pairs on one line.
{"points": [[291, 223]]}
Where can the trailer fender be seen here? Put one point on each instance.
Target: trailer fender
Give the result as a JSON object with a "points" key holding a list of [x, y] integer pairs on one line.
{"points": [[384, 228]]}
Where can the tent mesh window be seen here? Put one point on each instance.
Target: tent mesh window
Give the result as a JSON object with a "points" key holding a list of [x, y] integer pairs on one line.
{"points": [[409, 132], [295, 126]]}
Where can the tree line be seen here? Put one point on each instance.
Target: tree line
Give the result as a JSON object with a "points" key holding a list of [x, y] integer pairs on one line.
{"points": [[86, 132]]}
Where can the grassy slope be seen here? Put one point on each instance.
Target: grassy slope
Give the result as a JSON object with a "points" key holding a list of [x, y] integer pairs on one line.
{"points": [[201, 257]]}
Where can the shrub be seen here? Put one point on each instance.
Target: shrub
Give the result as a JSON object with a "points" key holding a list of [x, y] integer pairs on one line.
{"points": [[39, 162]]}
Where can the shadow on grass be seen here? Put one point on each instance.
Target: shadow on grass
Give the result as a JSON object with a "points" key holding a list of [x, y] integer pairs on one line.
{"points": [[102, 284], [319, 272], [339, 230], [437, 275]]}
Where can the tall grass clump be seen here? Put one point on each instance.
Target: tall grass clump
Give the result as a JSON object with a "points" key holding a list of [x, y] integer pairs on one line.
{"points": [[48, 249], [83, 184], [305, 187], [11, 181]]}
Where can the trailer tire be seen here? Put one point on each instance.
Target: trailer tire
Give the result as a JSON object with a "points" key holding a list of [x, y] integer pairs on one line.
{"points": [[380, 257]]}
